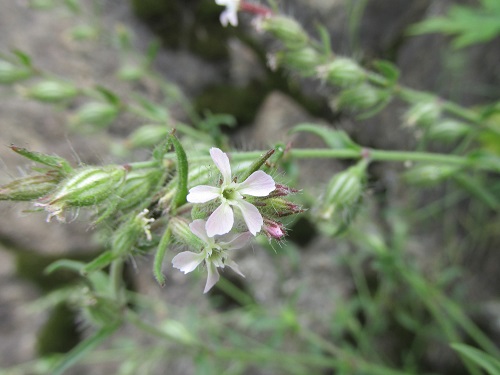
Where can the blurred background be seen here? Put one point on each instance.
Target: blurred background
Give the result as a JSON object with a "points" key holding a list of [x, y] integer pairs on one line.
{"points": [[349, 291]]}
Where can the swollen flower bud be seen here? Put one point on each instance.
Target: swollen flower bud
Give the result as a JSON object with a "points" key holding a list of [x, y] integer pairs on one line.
{"points": [[423, 113], [96, 114], [147, 135], [282, 191], [137, 187], [289, 31], [31, 187], [428, 175], [303, 59], [448, 130], [343, 191], [10, 73], [342, 72], [360, 97], [86, 187], [273, 229], [278, 207], [52, 91], [181, 231]]}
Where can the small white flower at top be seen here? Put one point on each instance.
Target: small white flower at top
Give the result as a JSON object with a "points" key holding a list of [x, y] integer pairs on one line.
{"points": [[232, 194], [230, 15], [214, 253]]}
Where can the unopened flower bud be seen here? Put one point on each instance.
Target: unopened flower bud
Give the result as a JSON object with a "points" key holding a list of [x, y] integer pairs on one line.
{"points": [[448, 130], [303, 59], [96, 114], [52, 91], [282, 191], [10, 73], [147, 135], [427, 175], [343, 190], [31, 187], [289, 31], [277, 207], [86, 187], [423, 113], [342, 72], [137, 187], [127, 235], [273, 229], [181, 231], [359, 97]]}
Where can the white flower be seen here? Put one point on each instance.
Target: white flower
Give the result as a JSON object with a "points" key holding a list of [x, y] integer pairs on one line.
{"points": [[230, 15], [214, 253], [258, 184]]}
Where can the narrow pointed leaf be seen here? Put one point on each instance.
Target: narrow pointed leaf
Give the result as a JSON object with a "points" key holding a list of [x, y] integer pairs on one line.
{"points": [[83, 348], [160, 255]]}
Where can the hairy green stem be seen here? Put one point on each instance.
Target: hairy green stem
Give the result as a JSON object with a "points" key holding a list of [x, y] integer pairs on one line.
{"points": [[366, 153], [116, 277]]}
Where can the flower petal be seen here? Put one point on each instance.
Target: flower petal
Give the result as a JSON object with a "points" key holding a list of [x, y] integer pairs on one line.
{"points": [[198, 228], [187, 261], [258, 184], [229, 16], [236, 241], [202, 194], [213, 276], [221, 221], [234, 267], [222, 162], [251, 215]]}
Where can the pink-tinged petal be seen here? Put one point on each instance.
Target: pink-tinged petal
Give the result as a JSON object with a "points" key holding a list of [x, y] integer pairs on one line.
{"points": [[221, 221], [198, 228], [258, 184], [229, 16], [234, 267], [222, 162], [213, 276], [237, 241], [187, 261], [251, 215], [202, 194]]}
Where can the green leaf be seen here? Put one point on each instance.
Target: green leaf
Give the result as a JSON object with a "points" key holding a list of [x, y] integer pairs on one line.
{"points": [[64, 263], [83, 348], [23, 58], [150, 110], [99, 263], [482, 359], [160, 255], [335, 139], [388, 70], [256, 165], [50, 160], [469, 25], [108, 95]]}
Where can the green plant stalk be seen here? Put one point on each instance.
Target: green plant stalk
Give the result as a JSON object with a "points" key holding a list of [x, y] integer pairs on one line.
{"points": [[366, 153], [116, 277], [272, 356], [407, 94]]}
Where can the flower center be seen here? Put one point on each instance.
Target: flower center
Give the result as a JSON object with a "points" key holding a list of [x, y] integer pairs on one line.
{"points": [[230, 194]]}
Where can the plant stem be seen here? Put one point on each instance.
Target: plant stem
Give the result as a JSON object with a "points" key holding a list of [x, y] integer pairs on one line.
{"points": [[116, 277], [320, 153]]}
